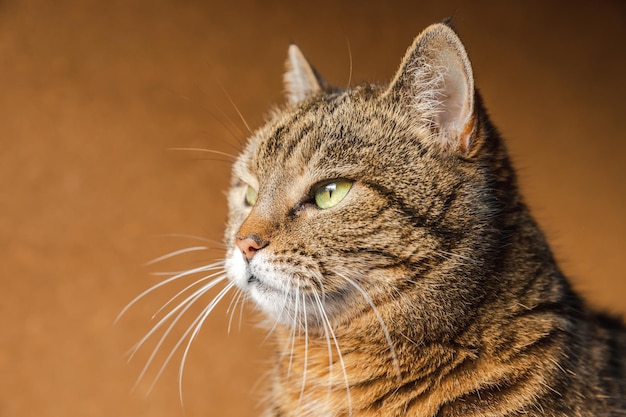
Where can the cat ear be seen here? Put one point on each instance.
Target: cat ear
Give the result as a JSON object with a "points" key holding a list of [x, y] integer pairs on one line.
{"points": [[300, 78], [435, 80]]}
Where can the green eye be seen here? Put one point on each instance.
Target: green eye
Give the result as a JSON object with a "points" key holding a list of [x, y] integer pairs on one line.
{"points": [[251, 196], [330, 194]]}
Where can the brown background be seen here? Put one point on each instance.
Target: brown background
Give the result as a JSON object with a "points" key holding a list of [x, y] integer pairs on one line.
{"points": [[93, 94]]}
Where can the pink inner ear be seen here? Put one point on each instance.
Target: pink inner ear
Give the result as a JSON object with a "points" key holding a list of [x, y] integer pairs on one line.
{"points": [[455, 114], [453, 92]]}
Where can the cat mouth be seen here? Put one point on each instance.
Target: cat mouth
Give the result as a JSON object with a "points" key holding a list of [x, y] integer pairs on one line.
{"points": [[263, 286]]}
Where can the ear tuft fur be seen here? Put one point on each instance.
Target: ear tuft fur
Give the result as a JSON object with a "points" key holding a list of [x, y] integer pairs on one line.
{"points": [[435, 80]]}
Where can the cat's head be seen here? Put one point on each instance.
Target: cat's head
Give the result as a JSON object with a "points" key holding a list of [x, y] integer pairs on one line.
{"points": [[348, 201]]}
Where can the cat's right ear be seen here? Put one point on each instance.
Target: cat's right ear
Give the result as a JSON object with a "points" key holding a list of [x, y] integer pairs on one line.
{"points": [[436, 84], [301, 79]]}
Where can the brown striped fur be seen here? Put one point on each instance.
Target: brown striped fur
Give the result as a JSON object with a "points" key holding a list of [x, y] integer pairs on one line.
{"points": [[429, 290]]}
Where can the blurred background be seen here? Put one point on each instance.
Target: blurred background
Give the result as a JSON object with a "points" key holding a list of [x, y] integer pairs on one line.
{"points": [[94, 95]]}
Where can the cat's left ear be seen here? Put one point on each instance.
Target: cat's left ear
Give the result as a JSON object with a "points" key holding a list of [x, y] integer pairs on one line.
{"points": [[301, 79], [435, 81]]}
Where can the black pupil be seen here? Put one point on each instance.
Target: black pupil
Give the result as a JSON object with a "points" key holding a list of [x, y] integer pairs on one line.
{"points": [[331, 188]]}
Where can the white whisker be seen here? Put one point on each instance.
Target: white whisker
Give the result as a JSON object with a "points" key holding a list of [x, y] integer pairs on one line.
{"points": [[167, 273], [350, 57], [276, 320], [187, 303], [183, 306], [325, 319], [237, 110], [218, 117], [184, 290], [197, 326], [306, 349], [243, 301], [176, 253], [383, 326], [320, 307], [200, 238], [330, 350], [293, 328], [237, 133], [233, 306], [232, 157], [204, 268]]}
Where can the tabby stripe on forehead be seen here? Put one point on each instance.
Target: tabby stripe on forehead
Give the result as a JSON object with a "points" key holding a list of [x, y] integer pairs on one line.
{"points": [[274, 142], [296, 140], [284, 141], [332, 104]]}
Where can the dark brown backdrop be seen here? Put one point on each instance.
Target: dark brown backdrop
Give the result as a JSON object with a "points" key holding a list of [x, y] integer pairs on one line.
{"points": [[94, 93]]}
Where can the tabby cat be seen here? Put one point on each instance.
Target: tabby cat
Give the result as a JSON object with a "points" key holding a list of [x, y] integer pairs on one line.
{"points": [[381, 230]]}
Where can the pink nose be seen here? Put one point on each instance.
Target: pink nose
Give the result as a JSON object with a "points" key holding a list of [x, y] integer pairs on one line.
{"points": [[250, 245]]}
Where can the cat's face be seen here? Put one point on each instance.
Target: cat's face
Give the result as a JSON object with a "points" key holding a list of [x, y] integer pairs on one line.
{"points": [[346, 201]]}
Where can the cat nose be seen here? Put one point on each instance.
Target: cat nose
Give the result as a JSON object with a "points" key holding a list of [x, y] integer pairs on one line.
{"points": [[250, 245]]}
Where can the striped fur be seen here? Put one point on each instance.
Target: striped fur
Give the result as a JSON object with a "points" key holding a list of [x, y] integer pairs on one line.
{"points": [[429, 290]]}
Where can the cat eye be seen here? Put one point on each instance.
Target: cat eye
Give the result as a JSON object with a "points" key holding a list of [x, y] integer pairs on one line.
{"points": [[251, 196], [331, 193]]}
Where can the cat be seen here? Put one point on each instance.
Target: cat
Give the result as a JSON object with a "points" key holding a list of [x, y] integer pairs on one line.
{"points": [[381, 231]]}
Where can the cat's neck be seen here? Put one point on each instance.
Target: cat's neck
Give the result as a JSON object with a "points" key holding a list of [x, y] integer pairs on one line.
{"points": [[312, 378]]}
